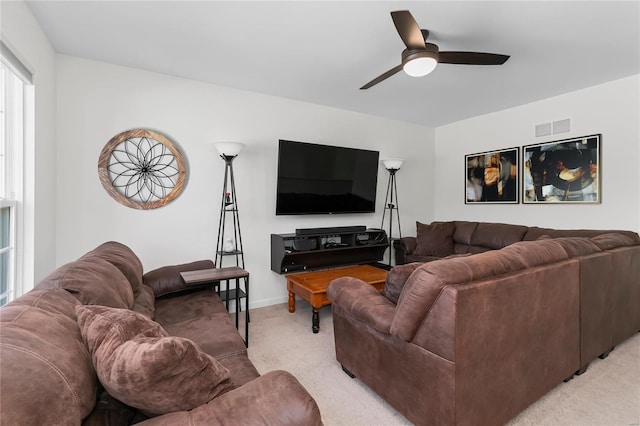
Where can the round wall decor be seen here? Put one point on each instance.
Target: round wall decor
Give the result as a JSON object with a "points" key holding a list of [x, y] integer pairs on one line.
{"points": [[141, 169]]}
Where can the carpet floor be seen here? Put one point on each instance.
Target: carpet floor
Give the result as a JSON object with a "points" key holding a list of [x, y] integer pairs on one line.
{"points": [[607, 394]]}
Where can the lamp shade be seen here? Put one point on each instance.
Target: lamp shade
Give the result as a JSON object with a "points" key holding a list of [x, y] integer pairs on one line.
{"points": [[229, 149], [393, 163]]}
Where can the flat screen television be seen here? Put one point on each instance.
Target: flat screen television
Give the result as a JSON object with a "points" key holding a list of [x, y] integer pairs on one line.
{"points": [[324, 179]]}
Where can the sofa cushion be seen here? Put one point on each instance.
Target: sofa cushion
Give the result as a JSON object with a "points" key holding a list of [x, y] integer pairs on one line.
{"points": [[192, 315], [534, 232], [46, 375], [435, 239], [110, 412], [575, 246], [123, 258], [415, 258], [612, 240], [93, 281], [140, 365], [396, 278], [464, 232], [167, 280], [145, 302], [497, 235], [535, 253]]}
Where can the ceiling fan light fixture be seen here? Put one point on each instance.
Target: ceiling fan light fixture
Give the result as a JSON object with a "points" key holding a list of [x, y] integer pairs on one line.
{"points": [[420, 66], [420, 62]]}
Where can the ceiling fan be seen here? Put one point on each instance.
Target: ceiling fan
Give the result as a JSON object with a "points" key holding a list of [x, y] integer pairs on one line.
{"points": [[420, 57]]}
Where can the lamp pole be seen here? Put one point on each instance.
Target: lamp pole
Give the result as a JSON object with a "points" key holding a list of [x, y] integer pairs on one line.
{"points": [[391, 201], [228, 152]]}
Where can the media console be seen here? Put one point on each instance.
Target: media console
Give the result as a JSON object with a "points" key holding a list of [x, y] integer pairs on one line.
{"points": [[317, 248]]}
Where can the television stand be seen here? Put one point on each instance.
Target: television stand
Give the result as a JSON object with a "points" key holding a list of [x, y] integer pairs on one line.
{"points": [[326, 248]]}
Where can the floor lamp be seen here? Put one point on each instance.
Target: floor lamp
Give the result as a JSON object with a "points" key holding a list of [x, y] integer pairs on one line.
{"points": [[391, 200], [229, 204]]}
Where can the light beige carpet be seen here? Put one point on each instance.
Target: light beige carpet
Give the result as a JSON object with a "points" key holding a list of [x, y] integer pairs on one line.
{"points": [[607, 394]]}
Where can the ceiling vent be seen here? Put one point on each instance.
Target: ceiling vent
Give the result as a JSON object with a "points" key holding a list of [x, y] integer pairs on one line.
{"points": [[553, 128]]}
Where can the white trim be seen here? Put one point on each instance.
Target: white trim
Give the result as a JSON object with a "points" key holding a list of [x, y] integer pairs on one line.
{"points": [[16, 65], [10, 248], [17, 104]]}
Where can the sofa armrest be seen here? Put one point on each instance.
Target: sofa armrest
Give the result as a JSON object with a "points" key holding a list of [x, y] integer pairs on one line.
{"points": [[363, 302], [277, 398], [403, 247], [167, 280]]}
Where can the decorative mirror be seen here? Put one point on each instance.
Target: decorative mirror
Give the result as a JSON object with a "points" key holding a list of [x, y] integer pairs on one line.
{"points": [[141, 169]]}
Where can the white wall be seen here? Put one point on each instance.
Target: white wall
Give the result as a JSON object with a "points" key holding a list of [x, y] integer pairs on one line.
{"points": [[22, 34], [96, 101], [611, 109]]}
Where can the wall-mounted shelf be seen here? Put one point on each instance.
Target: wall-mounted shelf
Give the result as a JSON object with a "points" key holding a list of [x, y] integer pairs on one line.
{"points": [[294, 252]]}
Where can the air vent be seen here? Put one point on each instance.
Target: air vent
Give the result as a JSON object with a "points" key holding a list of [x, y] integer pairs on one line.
{"points": [[561, 126], [547, 129], [543, 129]]}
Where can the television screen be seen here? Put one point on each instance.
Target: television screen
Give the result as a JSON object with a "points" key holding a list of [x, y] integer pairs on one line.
{"points": [[323, 179]]}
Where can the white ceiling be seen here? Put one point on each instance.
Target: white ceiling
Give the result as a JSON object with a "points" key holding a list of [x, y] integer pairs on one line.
{"points": [[323, 51]]}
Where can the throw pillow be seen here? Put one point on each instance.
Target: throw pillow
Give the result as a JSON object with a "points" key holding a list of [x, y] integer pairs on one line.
{"points": [[435, 239], [396, 278], [140, 365]]}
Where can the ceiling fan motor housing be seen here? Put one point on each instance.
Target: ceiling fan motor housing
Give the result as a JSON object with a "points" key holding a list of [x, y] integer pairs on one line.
{"points": [[420, 62], [430, 51]]}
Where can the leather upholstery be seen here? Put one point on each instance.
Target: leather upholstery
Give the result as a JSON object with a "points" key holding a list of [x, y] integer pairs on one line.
{"points": [[109, 287], [478, 237], [477, 339], [46, 375], [46, 372]]}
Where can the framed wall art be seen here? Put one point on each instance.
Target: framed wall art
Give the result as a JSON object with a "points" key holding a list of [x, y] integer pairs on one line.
{"points": [[492, 177], [564, 171], [142, 169]]}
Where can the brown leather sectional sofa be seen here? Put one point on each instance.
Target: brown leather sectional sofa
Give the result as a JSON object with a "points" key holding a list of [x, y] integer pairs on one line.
{"points": [[72, 338], [475, 339], [462, 237]]}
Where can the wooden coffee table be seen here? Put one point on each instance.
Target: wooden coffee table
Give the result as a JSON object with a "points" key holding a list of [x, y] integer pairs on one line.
{"points": [[312, 286]]}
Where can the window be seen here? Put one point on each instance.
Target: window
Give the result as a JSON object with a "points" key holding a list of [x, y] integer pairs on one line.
{"points": [[14, 79]]}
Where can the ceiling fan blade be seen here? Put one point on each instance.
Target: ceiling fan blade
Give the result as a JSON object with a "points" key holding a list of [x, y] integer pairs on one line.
{"points": [[382, 77], [472, 58], [408, 29]]}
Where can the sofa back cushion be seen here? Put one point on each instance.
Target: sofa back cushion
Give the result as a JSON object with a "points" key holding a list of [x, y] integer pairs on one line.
{"points": [[534, 232], [46, 375], [123, 258], [145, 302], [435, 239], [497, 235], [613, 240], [93, 281], [427, 282], [464, 232], [577, 246]]}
